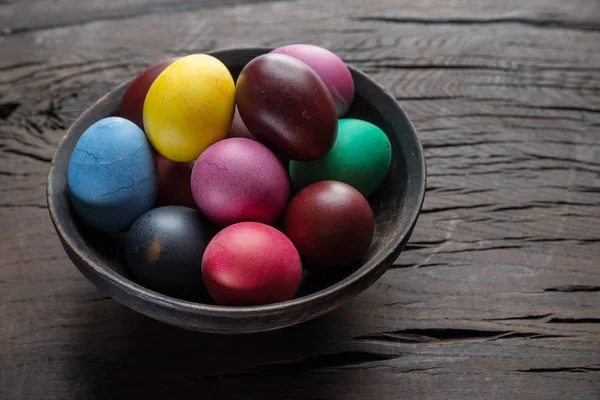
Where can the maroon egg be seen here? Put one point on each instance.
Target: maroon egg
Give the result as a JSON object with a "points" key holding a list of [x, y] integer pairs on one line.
{"points": [[238, 128], [250, 263], [285, 104], [331, 224], [330, 68], [132, 104], [174, 183]]}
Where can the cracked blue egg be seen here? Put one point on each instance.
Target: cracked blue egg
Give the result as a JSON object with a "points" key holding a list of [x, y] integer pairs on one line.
{"points": [[112, 178]]}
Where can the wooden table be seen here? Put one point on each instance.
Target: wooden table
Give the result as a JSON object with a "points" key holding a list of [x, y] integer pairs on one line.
{"points": [[497, 295]]}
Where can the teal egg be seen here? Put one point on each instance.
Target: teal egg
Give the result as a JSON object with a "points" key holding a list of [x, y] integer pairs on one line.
{"points": [[360, 157]]}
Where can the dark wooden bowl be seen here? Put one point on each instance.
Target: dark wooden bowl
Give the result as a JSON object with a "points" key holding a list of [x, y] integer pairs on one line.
{"points": [[396, 206]]}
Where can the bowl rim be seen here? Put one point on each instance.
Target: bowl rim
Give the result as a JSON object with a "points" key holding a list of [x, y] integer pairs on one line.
{"points": [[106, 273]]}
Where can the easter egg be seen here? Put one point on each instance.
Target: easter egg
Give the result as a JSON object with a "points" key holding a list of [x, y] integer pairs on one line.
{"points": [[238, 180], [112, 176], [285, 104], [174, 183], [250, 263], [360, 157], [331, 224], [238, 128], [132, 104], [330, 68], [164, 249], [189, 107]]}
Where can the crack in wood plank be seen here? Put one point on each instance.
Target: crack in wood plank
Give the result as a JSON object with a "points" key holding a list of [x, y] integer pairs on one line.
{"points": [[65, 20], [539, 22]]}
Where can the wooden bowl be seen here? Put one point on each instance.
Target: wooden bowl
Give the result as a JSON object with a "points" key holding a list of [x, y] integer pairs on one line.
{"points": [[396, 206]]}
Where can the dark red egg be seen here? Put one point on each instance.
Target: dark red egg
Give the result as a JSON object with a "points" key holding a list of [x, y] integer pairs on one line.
{"points": [[132, 104], [331, 224], [174, 183], [250, 263], [285, 104]]}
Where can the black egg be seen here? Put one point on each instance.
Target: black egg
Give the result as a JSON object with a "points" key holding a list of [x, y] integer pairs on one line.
{"points": [[164, 251]]}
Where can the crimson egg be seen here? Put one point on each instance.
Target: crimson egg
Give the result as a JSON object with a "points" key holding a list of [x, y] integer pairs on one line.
{"points": [[250, 263]]}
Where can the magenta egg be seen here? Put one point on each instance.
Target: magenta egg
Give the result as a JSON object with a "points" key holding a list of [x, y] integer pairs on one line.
{"points": [[237, 180], [330, 68], [250, 263]]}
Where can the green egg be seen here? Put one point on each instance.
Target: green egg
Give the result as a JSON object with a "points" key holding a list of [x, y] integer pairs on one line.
{"points": [[360, 157]]}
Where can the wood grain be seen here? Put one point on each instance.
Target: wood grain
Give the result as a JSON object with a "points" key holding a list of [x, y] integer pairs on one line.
{"points": [[498, 293]]}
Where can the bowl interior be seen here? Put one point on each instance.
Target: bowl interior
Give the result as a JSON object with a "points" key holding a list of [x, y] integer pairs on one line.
{"points": [[396, 203]]}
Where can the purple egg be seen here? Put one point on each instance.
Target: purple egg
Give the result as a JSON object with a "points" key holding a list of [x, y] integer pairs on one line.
{"points": [[330, 68], [237, 180]]}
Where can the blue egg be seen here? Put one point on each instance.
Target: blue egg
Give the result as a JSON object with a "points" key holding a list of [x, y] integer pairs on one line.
{"points": [[113, 176]]}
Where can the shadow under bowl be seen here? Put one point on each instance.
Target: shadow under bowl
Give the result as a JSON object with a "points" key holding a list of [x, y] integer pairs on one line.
{"points": [[396, 206]]}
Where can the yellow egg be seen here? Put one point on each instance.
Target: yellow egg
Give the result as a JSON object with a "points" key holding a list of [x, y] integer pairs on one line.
{"points": [[189, 107]]}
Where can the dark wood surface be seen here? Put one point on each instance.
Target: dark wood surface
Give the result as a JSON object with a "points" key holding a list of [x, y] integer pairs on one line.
{"points": [[498, 293]]}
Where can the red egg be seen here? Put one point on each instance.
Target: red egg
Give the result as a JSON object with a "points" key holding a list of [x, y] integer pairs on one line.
{"points": [[331, 224], [174, 183], [132, 104], [250, 263]]}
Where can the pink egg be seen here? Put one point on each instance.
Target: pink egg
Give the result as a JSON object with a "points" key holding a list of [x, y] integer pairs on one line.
{"points": [[330, 68], [238, 180], [238, 128], [251, 264]]}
